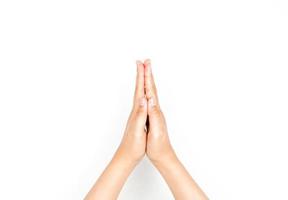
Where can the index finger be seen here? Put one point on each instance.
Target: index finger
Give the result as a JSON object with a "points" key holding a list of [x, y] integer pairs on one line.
{"points": [[139, 89], [150, 87]]}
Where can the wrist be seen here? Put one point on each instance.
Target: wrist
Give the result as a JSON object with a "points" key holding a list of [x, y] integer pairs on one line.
{"points": [[126, 158], [167, 164], [165, 159]]}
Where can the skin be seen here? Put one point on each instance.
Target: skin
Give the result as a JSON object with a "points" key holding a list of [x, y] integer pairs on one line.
{"points": [[145, 133]]}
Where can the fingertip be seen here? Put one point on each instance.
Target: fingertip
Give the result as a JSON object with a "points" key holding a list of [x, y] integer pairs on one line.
{"points": [[140, 66], [138, 62], [147, 62]]}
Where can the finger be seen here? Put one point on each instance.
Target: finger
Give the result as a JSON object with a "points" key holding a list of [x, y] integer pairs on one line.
{"points": [[139, 113], [139, 89], [138, 116], [150, 88]]}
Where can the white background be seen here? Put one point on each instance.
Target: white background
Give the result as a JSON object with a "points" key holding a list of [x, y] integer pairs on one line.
{"points": [[67, 73]]}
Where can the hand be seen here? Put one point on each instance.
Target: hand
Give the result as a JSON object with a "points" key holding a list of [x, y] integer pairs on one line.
{"points": [[133, 144], [130, 151], [158, 144], [160, 151]]}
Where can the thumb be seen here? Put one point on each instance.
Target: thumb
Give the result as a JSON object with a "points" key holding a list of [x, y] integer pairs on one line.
{"points": [[156, 117], [139, 113]]}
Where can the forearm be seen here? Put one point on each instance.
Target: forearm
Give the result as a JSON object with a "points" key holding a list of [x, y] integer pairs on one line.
{"points": [[111, 181], [178, 179]]}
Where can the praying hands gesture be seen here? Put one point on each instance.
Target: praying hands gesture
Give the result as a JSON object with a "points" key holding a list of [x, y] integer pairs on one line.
{"points": [[145, 133]]}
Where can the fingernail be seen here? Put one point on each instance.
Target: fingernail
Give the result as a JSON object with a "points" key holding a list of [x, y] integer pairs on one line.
{"points": [[151, 102]]}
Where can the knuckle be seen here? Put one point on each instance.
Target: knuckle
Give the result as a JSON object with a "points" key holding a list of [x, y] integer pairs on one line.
{"points": [[139, 110], [155, 110]]}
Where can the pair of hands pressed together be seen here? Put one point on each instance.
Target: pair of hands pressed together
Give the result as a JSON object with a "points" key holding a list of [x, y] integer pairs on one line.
{"points": [[145, 133], [146, 128]]}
